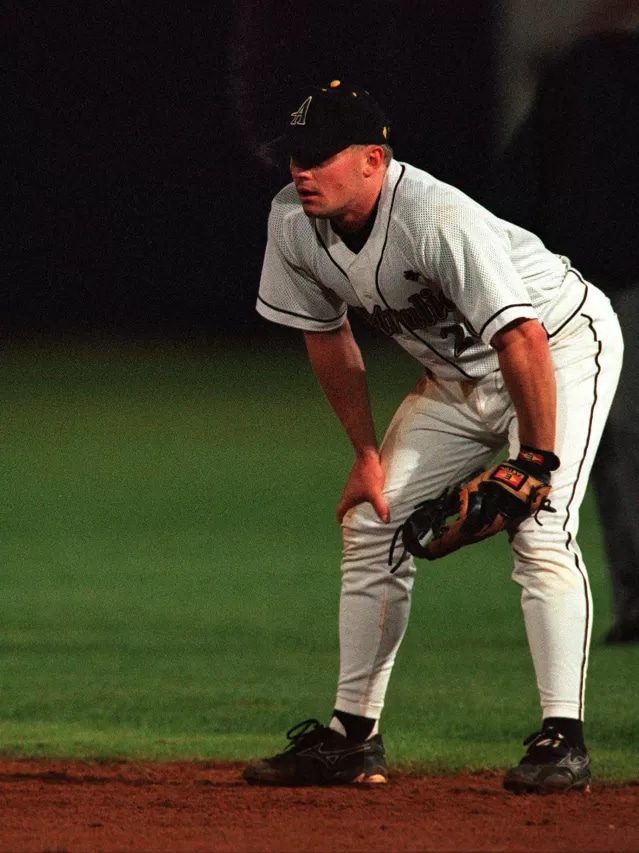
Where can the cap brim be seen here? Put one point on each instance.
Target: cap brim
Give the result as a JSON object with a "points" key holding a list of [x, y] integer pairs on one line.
{"points": [[302, 151], [313, 156]]}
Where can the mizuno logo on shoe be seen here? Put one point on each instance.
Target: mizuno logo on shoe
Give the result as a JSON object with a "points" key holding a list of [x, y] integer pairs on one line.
{"points": [[330, 757]]}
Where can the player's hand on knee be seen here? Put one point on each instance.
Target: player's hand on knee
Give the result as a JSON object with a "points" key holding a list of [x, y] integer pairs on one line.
{"points": [[365, 484]]}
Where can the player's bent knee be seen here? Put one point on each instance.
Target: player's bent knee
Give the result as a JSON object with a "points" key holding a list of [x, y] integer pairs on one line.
{"points": [[367, 541], [362, 519]]}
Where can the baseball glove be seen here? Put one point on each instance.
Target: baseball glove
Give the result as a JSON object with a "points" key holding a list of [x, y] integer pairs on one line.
{"points": [[491, 501]]}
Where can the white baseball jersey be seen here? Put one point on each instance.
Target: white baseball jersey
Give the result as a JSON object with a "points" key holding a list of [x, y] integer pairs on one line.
{"points": [[439, 273]]}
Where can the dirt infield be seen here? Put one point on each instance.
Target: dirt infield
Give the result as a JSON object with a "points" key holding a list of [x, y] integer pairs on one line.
{"points": [[71, 807]]}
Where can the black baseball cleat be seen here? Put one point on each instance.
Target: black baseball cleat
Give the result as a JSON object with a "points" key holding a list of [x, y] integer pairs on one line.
{"points": [[318, 755], [550, 765]]}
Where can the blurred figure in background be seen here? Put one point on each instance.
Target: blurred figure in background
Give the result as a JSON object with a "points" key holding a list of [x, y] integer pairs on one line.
{"points": [[571, 175]]}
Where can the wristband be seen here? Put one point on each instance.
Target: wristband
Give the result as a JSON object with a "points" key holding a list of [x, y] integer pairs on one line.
{"points": [[532, 460]]}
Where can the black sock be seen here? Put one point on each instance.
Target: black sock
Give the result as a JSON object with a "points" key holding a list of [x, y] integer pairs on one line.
{"points": [[572, 730], [357, 728]]}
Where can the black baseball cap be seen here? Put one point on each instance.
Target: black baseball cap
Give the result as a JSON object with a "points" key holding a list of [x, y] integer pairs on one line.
{"points": [[328, 119]]}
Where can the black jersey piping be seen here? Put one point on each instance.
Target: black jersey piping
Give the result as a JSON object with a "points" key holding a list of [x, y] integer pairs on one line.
{"points": [[345, 274], [569, 537], [381, 295], [501, 311], [471, 328], [325, 247], [295, 314], [577, 309]]}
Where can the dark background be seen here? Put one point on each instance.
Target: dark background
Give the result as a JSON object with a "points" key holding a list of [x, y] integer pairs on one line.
{"points": [[137, 181]]}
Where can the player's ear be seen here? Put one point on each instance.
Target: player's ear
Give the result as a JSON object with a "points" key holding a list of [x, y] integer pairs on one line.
{"points": [[374, 159]]}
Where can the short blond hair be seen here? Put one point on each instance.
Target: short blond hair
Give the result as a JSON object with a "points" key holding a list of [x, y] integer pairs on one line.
{"points": [[388, 153]]}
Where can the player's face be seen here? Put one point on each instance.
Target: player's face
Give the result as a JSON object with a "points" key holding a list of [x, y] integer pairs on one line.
{"points": [[332, 188]]}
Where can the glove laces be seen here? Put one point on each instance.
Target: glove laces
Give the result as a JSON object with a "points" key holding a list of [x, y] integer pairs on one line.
{"points": [[544, 506], [435, 513], [391, 550]]}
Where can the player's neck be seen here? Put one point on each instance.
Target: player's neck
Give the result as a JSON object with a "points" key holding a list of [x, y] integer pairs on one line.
{"points": [[355, 228]]}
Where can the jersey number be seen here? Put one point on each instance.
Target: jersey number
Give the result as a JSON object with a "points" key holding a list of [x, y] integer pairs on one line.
{"points": [[462, 339]]}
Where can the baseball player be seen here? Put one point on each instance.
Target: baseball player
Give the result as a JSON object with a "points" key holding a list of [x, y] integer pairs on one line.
{"points": [[520, 354]]}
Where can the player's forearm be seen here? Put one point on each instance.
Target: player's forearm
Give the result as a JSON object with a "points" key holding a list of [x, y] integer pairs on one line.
{"points": [[338, 365], [526, 365]]}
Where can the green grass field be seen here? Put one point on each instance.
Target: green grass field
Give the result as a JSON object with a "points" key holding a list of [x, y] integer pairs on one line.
{"points": [[170, 571]]}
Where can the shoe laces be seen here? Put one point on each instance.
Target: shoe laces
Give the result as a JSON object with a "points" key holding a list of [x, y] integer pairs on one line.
{"points": [[303, 732], [546, 745]]}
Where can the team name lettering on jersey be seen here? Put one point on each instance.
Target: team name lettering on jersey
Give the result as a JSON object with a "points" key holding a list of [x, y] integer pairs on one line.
{"points": [[426, 309]]}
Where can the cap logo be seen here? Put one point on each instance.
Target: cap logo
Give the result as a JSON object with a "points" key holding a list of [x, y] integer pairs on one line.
{"points": [[299, 116]]}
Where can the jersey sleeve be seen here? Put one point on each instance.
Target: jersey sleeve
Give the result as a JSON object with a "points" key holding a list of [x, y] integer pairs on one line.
{"points": [[472, 261], [288, 294]]}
